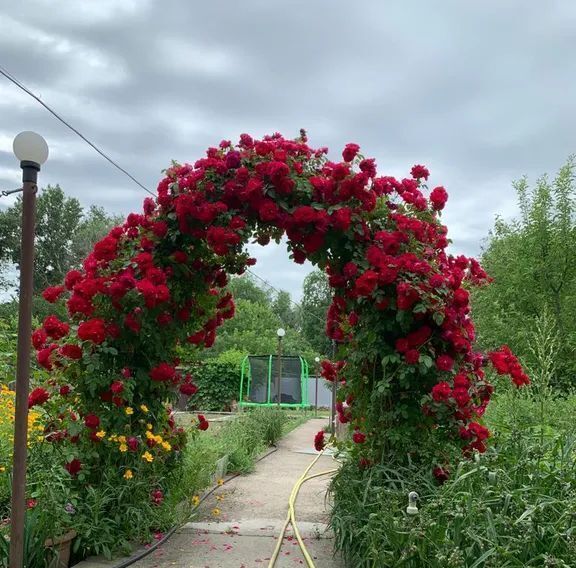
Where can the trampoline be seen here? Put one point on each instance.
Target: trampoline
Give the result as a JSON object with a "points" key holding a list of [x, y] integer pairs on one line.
{"points": [[259, 381]]}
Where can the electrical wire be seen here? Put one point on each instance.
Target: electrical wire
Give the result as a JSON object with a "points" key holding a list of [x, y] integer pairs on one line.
{"points": [[278, 292], [26, 90], [21, 86]]}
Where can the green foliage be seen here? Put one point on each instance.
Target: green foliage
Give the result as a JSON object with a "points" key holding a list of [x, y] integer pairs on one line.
{"points": [[245, 288], [533, 262], [8, 342], [288, 313], [65, 234], [315, 302], [512, 507], [218, 381]]}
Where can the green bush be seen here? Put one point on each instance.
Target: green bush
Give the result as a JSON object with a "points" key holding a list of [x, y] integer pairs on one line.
{"points": [[218, 382], [513, 506]]}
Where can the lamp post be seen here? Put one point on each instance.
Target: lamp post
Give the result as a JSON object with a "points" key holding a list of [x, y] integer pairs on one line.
{"points": [[317, 360], [333, 405], [32, 151], [280, 333]]}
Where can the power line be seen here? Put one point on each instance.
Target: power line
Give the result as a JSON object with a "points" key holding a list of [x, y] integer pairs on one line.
{"points": [[16, 82], [21, 86], [278, 292]]}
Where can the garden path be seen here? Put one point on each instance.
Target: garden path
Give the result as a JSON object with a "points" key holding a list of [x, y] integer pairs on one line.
{"points": [[252, 510]]}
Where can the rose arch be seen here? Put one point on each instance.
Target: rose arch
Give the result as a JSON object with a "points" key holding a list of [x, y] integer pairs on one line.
{"points": [[409, 380]]}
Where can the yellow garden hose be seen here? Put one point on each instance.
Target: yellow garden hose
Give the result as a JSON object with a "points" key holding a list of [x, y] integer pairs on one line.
{"points": [[291, 516]]}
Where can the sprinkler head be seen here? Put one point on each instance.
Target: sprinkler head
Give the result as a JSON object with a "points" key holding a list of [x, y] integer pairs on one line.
{"points": [[412, 509]]}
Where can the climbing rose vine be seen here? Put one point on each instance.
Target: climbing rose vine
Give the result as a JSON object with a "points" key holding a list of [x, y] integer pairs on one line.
{"points": [[408, 378]]}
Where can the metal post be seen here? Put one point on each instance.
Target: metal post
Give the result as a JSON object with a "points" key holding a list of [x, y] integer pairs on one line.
{"points": [[17, 515], [333, 406], [279, 389], [316, 397]]}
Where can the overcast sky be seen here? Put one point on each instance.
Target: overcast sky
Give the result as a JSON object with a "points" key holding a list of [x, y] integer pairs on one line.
{"points": [[480, 92]]}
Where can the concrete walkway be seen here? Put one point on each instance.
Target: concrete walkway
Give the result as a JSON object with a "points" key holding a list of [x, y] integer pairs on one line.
{"points": [[250, 513]]}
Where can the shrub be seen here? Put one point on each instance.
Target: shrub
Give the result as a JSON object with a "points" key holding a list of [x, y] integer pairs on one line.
{"points": [[218, 382], [513, 506]]}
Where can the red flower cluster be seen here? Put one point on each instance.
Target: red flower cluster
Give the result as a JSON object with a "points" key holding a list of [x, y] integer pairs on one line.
{"points": [[159, 280], [319, 441], [203, 424], [38, 397], [506, 363]]}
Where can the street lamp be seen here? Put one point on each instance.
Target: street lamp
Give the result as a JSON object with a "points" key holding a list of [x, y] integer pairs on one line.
{"points": [[32, 151], [280, 332], [317, 360]]}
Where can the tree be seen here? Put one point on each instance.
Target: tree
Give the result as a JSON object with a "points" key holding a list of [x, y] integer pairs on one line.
{"points": [[64, 235], [244, 288], [315, 302], [533, 262], [288, 313]]}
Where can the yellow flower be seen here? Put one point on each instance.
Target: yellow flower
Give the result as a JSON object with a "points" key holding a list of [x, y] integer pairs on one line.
{"points": [[147, 456], [2, 469], [195, 500], [122, 439], [220, 482], [123, 448], [129, 410], [148, 426], [166, 446], [100, 434], [128, 474], [149, 435], [216, 511], [219, 497], [143, 408]]}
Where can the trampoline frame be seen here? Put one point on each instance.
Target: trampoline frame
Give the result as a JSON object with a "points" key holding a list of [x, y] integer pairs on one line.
{"points": [[245, 373]]}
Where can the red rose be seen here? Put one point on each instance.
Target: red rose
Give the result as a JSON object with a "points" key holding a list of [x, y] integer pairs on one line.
{"points": [[202, 422], [117, 387], [93, 330], [132, 443], [160, 228], [180, 257], [162, 372], [126, 373], [71, 351], [52, 293], [164, 319], [55, 328], [268, 210], [350, 152], [419, 171], [73, 467], [64, 390], [444, 363], [319, 441], [39, 337], [72, 278], [38, 397], [412, 356], [461, 297], [106, 249], [441, 474], [438, 198], [441, 391], [92, 421], [358, 437], [366, 283], [188, 389], [44, 357]]}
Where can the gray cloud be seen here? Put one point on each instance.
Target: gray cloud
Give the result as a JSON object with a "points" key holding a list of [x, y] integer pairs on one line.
{"points": [[481, 93]]}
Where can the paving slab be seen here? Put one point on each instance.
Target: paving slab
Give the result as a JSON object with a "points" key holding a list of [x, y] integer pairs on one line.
{"points": [[237, 526]]}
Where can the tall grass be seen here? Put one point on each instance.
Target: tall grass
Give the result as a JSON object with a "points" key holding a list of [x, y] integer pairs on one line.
{"points": [[514, 506]]}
